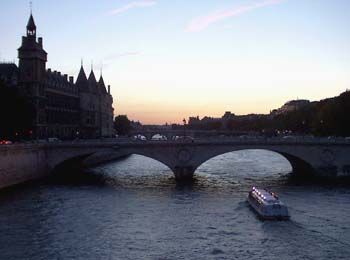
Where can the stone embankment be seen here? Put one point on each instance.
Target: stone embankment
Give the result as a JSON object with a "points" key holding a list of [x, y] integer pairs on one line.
{"points": [[21, 163]]}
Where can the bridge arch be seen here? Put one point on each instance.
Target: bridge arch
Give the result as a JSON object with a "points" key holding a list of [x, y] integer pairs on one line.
{"points": [[154, 158], [299, 166], [71, 162], [92, 157]]}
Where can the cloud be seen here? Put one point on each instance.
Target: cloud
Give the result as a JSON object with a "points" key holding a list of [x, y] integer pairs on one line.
{"points": [[121, 55], [133, 5], [109, 60], [201, 23]]}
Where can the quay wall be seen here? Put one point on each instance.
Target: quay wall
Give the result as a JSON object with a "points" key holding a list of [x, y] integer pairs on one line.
{"points": [[21, 163], [27, 162]]}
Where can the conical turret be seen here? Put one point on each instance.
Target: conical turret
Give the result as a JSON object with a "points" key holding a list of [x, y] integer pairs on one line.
{"points": [[82, 82], [31, 27], [102, 85], [92, 82]]}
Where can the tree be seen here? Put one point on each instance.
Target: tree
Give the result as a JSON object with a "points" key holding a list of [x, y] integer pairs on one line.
{"points": [[122, 125], [16, 113]]}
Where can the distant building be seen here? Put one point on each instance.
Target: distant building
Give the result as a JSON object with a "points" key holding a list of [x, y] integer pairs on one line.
{"points": [[228, 115], [222, 123], [250, 117], [194, 120], [292, 105], [136, 125], [63, 108], [227, 118], [208, 119]]}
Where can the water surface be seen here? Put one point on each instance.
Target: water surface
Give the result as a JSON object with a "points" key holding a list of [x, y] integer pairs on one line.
{"points": [[137, 211]]}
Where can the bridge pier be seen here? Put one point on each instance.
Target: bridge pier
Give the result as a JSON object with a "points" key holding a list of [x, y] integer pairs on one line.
{"points": [[184, 173]]}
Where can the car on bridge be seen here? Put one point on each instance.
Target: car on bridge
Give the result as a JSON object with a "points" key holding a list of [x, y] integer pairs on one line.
{"points": [[140, 138], [159, 137], [185, 139]]}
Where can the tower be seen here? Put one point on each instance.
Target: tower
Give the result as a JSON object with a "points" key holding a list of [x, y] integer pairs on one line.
{"points": [[32, 73]]}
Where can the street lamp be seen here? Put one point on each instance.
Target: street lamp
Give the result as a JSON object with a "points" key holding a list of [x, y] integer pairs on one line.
{"points": [[31, 135], [184, 121]]}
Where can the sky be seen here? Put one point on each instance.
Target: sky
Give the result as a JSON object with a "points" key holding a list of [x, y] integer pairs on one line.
{"points": [[170, 59]]}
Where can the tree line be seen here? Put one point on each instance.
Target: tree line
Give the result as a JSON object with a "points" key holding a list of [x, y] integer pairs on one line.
{"points": [[328, 117], [16, 114]]}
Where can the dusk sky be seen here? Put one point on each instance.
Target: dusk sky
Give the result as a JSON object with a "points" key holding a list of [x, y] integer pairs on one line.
{"points": [[167, 60]]}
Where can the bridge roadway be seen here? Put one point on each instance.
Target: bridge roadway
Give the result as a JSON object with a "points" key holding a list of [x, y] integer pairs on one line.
{"points": [[21, 162]]}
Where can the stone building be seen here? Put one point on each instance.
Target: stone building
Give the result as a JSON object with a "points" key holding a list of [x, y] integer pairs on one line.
{"points": [[64, 108], [290, 106]]}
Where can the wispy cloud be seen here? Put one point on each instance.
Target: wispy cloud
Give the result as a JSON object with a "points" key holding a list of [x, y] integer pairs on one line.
{"points": [[133, 5], [110, 59], [201, 23], [121, 55]]}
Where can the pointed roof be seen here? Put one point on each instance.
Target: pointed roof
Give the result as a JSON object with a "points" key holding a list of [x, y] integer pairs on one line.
{"points": [[81, 76], [92, 82], [31, 24], [102, 85], [82, 81], [92, 78]]}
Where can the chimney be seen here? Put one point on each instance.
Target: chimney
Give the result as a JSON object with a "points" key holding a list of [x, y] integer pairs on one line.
{"points": [[65, 77], [59, 73], [49, 70], [40, 40], [109, 89], [55, 72], [71, 79]]}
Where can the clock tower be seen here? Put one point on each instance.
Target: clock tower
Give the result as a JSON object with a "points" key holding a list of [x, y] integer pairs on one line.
{"points": [[32, 74]]}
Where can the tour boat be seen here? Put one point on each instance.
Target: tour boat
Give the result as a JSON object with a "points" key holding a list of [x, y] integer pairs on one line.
{"points": [[267, 204]]}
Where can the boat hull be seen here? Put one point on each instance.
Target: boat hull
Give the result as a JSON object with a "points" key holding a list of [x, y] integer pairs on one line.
{"points": [[269, 212]]}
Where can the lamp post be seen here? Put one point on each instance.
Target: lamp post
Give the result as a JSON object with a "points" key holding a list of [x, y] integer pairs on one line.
{"points": [[184, 121], [31, 135]]}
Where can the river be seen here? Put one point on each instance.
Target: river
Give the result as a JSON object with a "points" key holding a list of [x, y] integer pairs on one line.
{"points": [[133, 209]]}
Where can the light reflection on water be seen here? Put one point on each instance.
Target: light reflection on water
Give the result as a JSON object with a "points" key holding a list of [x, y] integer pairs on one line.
{"points": [[139, 212]]}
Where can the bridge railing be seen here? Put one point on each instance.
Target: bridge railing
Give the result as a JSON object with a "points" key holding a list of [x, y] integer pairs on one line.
{"points": [[214, 140]]}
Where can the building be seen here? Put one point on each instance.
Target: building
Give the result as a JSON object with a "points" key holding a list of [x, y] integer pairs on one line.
{"points": [[63, 108], [290, 106]]}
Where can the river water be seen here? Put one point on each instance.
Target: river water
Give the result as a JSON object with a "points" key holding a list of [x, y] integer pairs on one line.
{"points": [[135, 210]]}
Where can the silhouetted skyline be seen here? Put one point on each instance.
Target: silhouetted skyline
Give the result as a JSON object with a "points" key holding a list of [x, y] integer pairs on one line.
{"points": [[166, 60]]}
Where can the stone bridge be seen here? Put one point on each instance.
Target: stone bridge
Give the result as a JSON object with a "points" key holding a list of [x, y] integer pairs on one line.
{"points": [[318, 157], [306, 158]]}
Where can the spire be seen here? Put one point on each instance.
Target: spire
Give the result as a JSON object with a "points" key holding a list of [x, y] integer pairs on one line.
{"points": [[92, 77], [82, 75], [31, 24], [82, 81], [31, 27], [92, 82], [102, 85]]}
